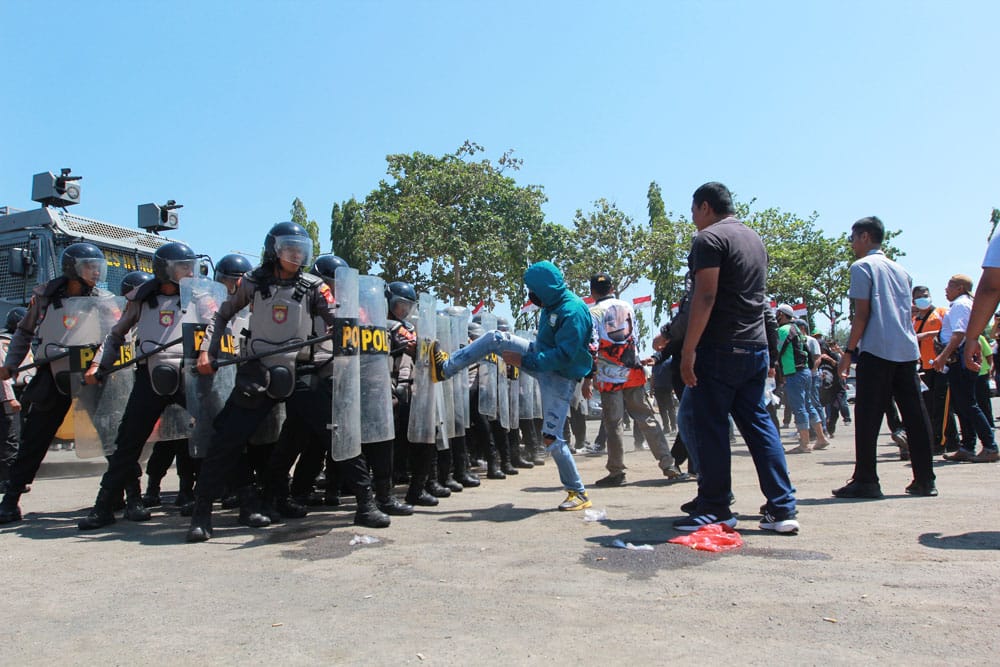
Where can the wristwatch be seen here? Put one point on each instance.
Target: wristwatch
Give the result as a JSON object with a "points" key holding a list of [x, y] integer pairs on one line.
{"points": [[850, 350]]}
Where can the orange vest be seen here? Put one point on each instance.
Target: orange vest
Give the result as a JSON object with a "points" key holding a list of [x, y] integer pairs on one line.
{"points": [[933, 323]]}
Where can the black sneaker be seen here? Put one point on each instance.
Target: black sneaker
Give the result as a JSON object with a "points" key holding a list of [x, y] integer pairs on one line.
{"points": [[922, 488], [614, 479], [859, 490], [696, 521], [691, 506], [438, 357]]}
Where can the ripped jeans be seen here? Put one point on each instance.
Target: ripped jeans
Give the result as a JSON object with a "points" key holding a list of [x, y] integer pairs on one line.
{"points": [[556, 390]]}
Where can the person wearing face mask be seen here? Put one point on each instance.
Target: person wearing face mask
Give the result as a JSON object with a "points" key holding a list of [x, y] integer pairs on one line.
{"points": [[558, 358], [927, 323]]}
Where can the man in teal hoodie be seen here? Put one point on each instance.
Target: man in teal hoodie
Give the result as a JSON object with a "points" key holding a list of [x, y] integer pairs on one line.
{"points": [[558, 359]]}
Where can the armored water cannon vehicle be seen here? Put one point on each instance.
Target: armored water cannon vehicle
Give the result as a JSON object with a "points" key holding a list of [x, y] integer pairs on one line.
{"points": [[32, 241]]}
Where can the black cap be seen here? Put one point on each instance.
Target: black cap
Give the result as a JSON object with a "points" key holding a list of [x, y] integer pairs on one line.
{"points": [[601, 283]]}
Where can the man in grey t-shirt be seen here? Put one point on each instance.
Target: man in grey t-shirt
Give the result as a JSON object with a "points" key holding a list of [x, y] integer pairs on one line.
{"points": [[883, 338]]}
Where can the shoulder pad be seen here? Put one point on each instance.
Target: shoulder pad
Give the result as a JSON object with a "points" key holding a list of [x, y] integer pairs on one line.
{"points": [[310, 281], [143, 291], [52, 287]]}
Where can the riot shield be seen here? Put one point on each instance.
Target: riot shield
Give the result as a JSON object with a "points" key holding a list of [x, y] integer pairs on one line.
{"points": [[346, 370], [514, 382], [376, 383], [526, 388], [459, 321], [423, 404], [488, 373], [269, 429], [503, 394], [205, 394], [446, 404], [97, 409]]}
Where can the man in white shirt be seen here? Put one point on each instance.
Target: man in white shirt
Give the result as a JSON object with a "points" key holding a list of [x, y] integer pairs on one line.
{"points": [[962, 380]]}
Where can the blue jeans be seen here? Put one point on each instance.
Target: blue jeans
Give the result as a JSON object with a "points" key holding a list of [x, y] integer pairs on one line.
{"points": [[797, 389], [731, 382], [817, 384], [556, 390], [962, 383]]}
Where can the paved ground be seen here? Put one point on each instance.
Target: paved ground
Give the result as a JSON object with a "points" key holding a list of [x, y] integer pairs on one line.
{"points": [[495, 576]]}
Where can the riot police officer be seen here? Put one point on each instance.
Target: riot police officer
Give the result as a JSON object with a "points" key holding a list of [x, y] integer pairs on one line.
{"points": [[401, 299], [47, 397], [10, 411], [285, 299], [154, 309]]}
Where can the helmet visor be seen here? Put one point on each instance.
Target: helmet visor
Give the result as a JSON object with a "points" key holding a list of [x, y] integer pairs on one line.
{"points": [[92, 270], [180, 268], [294, 249], [401, 307]]}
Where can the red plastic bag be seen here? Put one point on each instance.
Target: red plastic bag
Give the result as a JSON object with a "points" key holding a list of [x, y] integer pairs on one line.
{"points": [[713, 537]]}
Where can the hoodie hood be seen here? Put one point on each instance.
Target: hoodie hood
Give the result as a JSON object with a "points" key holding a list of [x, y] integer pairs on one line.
{"points": [[546, 280]]}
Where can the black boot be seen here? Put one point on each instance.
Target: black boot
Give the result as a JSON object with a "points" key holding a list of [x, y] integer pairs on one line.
{"points": [[388, 502], [493, 469], [368, 514], [444, 472], [514, 442], [9, 511], [420, 464], [460, 464], [201, 521], [503, 449], [134, 508], [250, 514], [532, 442], [152, 496], [432, 485], [100, 514]]}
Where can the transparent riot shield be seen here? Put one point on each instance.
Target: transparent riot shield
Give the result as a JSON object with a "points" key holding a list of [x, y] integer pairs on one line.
{"points": [[503, 394], [488, 373], [269, 429], [97, 409], [423, 404], [376, 383], [514, 383], [205, 394], [526, 388], [346, 369], [459, 322], [446, 404]]}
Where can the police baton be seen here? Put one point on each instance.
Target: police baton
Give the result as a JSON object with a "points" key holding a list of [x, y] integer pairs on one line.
{"points": [[101, 374], [216, 364], [40, 362]]}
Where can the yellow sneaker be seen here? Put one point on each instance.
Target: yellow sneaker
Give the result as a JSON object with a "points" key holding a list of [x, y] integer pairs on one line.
{"points": [[438, 357], [575, 501]]}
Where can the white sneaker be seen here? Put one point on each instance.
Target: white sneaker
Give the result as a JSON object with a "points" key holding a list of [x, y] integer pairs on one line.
{"points": [[787, 526]]}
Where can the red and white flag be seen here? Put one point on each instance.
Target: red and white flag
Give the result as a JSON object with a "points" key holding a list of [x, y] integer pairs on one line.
{"points": [[800, 310], [479, 306], [528, 307], [674, 307], [643, 301], [589, 300]]}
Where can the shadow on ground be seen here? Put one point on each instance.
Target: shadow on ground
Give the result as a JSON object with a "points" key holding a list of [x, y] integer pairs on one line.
{"points": [[985, 540]]}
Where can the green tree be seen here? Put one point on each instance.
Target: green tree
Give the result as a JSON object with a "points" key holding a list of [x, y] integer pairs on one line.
{"points": [[606, 239], [669, 243], [300, 217], [455, 225], [346, 231]]}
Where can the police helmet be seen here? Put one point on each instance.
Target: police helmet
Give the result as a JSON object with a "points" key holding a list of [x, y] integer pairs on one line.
{"points": [[399, 292], [173, 261], [291, 240], [326, 266], [232, 266], [14, 316], [502, 324], [80, 261], [133, 279]]}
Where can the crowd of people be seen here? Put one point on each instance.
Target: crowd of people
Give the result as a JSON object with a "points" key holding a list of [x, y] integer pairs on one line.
{"points": [[290, 411]]}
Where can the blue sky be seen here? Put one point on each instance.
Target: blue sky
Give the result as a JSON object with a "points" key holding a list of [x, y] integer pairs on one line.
{"points": [[235, 108]]}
